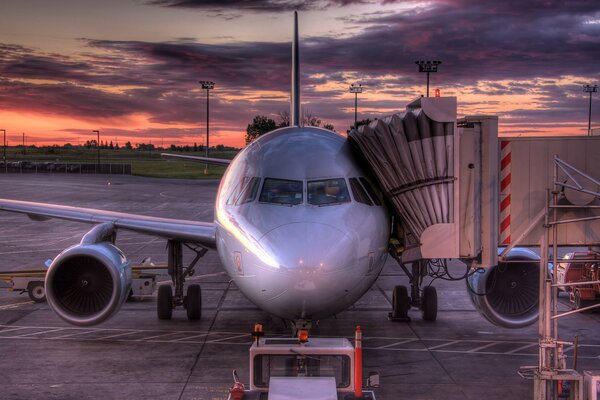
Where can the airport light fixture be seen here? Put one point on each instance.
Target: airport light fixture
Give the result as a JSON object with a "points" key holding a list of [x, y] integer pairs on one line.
{"points": [[98, 147], [428, 67], [590, 89], [208, 85], [356, 89]]}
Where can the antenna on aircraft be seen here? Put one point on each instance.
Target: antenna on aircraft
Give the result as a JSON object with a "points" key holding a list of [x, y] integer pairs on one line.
{"points": [[295, 106]]}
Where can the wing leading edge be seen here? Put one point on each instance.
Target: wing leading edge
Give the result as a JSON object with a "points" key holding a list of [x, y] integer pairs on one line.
{"points": [[176, 229]]}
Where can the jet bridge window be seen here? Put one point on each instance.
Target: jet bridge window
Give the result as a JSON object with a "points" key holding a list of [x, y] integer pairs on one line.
{"points": [[282, 191], [328, 191]]}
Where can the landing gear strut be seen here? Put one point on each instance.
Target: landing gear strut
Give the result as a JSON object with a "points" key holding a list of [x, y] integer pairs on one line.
{"points": [[192, 301], [424, 299]]}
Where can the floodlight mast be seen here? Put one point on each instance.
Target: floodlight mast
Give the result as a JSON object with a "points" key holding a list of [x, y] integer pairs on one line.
{"points": [[208, 85], [428, 66], [590, 89], [356, 89]]}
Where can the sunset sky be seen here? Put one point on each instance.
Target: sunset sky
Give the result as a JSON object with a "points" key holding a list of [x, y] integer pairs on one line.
{"points": [[130, 68]]}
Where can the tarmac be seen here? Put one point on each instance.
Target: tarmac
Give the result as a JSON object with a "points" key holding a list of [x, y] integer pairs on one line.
{"points": [[136, 356]]}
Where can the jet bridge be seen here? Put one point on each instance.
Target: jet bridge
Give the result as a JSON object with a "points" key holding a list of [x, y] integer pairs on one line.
{"points": [[459, 191]]}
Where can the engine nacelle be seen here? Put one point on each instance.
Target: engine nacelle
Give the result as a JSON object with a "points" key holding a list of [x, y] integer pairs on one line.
{"points": [[87, 283], [507, 294]]}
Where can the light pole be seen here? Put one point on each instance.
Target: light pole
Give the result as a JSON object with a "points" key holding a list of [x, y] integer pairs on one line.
{"points": [[98, 147], [207, 85], [428, 66], [4, 144], [356, 89], [590, 89]]}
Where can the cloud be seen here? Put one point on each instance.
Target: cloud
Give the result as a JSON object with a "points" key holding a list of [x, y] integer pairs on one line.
{"points": [[491, 51], [256, 5]]}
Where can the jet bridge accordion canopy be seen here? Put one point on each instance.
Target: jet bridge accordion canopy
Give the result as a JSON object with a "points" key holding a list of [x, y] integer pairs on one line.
{"points": [[412, 156]]}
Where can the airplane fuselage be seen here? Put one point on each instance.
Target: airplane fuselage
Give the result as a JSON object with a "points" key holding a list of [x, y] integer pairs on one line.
{"points": [[299, 229]]}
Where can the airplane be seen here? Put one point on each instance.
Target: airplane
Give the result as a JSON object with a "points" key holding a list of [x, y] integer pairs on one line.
{"points": [[298, 227]]}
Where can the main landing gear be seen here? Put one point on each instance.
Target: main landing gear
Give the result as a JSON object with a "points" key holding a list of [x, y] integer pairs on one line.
{"points": [[192, 301], [424, 298]]}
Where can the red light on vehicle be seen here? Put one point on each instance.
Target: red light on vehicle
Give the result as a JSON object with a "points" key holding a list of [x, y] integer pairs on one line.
{"points": [[437, 93]]}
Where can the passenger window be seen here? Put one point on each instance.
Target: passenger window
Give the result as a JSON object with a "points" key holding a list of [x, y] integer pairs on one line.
{"points": [[328, 191], [249, 192], [359, 193], [371, 191], [282, 191]]}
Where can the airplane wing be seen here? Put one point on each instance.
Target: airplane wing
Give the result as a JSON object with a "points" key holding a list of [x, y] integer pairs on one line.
{"points": [[176, 229], [206, 160]]}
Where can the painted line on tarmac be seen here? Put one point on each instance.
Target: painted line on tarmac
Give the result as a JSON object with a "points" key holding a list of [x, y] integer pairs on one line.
{"points": [[15, 305], [232, 338]]}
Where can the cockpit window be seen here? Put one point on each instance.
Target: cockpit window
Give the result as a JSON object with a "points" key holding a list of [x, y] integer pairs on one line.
{"points": [[371, 191], [249, 192], [245, 192], [282, 191], [359, 193], [328, 191]]}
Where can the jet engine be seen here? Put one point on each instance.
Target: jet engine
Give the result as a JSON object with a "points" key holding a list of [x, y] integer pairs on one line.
{"points": [[88, 283], [507, 294]]}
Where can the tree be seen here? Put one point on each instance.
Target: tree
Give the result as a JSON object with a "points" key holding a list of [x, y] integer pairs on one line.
{"points": [[309, 119], [329, 126], [284, 119], [128, 146], [259, 126], [366, 121]]}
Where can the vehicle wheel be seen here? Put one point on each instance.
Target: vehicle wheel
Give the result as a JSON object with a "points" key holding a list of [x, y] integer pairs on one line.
{"points": [[400, 302], [193, 302], [579, 302], [164, 304], [429, 303], [36, 291]]}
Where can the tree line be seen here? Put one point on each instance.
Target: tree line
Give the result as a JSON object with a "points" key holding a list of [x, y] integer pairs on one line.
{"points": [[262, 124]]}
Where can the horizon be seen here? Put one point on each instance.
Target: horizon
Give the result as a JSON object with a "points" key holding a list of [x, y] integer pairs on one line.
{"points": [[131, 69]]}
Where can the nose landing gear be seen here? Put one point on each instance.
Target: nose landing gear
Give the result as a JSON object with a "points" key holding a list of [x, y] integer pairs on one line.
{"points": [[424, 299]]}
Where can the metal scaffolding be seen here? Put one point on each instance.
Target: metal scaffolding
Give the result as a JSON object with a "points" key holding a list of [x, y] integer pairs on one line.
{"points": [[552, 370]]}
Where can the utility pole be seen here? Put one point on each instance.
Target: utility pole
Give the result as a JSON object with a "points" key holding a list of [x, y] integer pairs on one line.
{"points": [[208, 85], [428, 66], [98, 147], [356, 89], [590, 89]]}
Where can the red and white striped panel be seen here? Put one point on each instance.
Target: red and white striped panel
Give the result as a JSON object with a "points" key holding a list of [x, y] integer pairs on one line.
{"points": [[505, 177]]}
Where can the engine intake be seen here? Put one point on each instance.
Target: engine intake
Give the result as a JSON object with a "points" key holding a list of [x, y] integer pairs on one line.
{"points": [[87, 283], [507, 294]]}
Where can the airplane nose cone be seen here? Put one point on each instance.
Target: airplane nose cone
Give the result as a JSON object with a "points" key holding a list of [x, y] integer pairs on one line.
{"points": [[309, 247]]}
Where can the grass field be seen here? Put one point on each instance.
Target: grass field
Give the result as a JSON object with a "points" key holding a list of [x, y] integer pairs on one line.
{"points": [[143, 162]]}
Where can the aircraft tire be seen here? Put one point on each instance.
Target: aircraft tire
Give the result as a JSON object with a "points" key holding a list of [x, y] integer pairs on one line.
{"points": [[36, 291], [400, 302], [429, 304], [164, 303], [194, 302]]}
